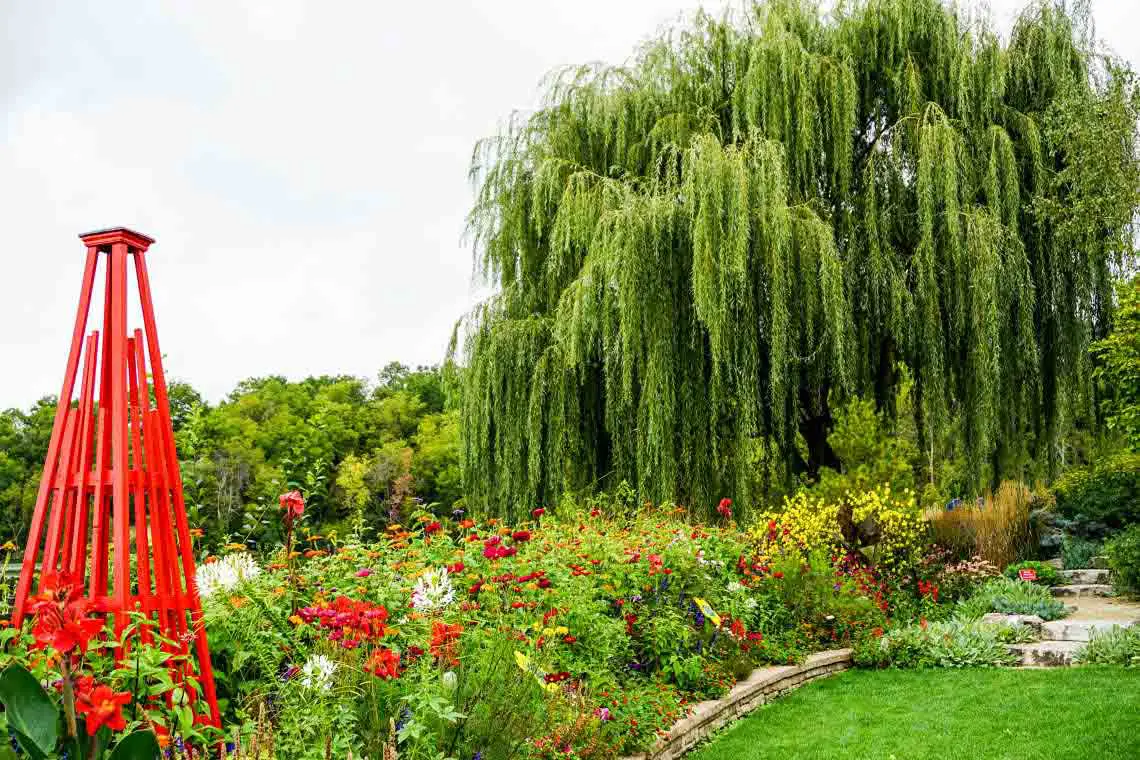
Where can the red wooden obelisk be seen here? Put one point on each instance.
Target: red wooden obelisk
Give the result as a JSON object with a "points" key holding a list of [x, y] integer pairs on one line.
{"points": [[111, 489]]}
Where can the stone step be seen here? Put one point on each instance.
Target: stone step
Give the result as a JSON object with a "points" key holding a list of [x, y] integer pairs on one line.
{"points": [[1046, 654], [1000, 618], [1056, 563], [1078, 630], [1083, 589], [1100, 561], [1085, 576]]}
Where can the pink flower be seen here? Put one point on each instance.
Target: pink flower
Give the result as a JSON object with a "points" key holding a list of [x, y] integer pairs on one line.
{"points": [[364, 572]]}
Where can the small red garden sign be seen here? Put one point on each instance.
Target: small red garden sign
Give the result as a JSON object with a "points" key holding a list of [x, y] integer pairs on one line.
{"points": [[1028, 574]]}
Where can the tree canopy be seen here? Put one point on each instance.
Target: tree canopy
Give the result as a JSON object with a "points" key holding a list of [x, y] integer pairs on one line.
{"points": [[699, 253]]}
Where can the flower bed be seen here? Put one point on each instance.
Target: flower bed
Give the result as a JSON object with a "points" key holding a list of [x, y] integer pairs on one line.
{"points": [[577, 636]]}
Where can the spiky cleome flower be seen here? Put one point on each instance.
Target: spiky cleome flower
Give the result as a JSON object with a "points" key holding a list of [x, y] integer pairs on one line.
{"points": [[225, 574], [433, 591], [317, 672]]}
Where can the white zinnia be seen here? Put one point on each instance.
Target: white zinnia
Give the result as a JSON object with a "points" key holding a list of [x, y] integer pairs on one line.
{"points": [[225, 574], [317, 672], [433, 591]]}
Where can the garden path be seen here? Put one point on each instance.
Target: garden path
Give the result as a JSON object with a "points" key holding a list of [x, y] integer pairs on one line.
{"points": [[1092, 610]]}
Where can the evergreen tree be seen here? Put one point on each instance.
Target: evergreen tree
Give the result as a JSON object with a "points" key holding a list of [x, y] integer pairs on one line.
{"points": [[699, 253]]}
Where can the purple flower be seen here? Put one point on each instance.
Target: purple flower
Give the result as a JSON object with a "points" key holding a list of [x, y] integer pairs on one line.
{"points": [[603, 713]]}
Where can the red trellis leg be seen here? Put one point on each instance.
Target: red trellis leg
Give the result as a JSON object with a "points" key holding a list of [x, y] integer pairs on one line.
{"points": [[36, 529], [120, 521], [174, 477], [142, 544], [76, 481], [78, 567], [98, 587], [58, 502], [160, 519]]}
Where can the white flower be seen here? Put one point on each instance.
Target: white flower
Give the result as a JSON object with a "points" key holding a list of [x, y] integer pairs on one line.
{"points": [[317, 672], [433, 591], [734, 587], [225, 574], [450, 680]]}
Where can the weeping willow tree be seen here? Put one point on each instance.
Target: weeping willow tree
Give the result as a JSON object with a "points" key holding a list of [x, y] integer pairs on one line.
{"points": [[698, 254]]}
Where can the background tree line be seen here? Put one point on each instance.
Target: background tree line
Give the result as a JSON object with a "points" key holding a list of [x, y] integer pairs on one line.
{"points": [[360, 451]]}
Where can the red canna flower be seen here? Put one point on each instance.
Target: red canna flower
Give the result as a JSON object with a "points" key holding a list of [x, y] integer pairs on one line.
{"points": [[725, 508], [293, 503], [61, 616], [102, 707]]}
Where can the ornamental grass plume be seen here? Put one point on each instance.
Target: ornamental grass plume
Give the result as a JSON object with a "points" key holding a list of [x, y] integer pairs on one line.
{"points": [[998, 529]]}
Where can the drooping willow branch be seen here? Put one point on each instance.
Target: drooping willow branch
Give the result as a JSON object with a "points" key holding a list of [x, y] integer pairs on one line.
{"points": [[698, 252]]}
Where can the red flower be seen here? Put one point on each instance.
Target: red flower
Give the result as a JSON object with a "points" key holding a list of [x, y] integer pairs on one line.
{"points": [[293, 503], [539, 512], [521, 535], [102, 707], [456, 567], [384, 664], [444, 639], [61, 616], [595, 512], [725, 508], [433, 527], [778, 574]]}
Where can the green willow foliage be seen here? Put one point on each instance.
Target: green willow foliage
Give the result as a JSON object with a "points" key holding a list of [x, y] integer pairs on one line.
{"points": [[696, 253]]}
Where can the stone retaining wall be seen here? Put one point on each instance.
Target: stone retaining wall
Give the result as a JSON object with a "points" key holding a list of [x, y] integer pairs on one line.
{"points": [[764, 685]]}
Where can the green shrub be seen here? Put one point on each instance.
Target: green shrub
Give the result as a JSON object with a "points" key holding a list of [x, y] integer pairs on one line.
{"points": [[1012, 598], [1116, 646], [950, 644], [1099, 500], [1124, 559], [1077, 552], [1047, 575]]}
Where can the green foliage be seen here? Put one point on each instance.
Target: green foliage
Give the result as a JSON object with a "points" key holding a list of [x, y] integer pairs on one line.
{"points": [[1047, 575], [34, 720], [949, 644], [30, 712], [870, 452], [1078, 552], [1117, 365], [1123, 554], [357, 452], [698, 251], [1116, 646], [1101, 498], [1012, 598]]}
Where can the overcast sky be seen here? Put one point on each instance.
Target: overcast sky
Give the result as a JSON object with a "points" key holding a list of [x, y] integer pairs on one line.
{"points": [[301, 163]]}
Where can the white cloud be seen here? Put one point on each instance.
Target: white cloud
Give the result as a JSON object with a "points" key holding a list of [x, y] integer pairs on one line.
{"points": [[302, 164]]}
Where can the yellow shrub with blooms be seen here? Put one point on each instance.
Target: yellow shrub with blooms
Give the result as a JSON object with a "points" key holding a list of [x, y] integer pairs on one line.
{"points": [[808, 524]]}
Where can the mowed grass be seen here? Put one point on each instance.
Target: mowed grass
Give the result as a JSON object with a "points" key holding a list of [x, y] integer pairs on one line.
{"points": [[977, 714]]}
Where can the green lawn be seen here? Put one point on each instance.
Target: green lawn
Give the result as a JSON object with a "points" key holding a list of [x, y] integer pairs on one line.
{"points": [[1061, 714]]}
